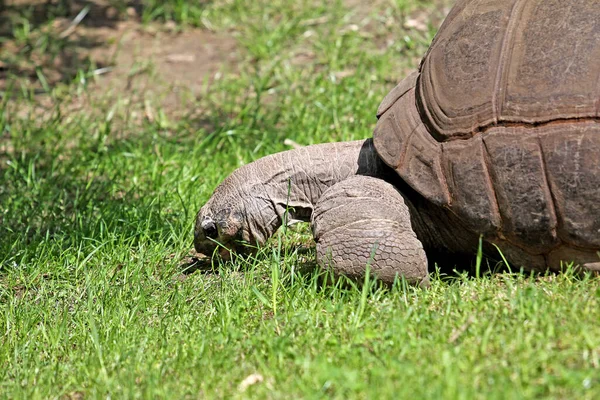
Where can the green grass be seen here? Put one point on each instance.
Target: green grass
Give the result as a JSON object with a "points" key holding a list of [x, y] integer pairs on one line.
{"points": [[96, 216]]}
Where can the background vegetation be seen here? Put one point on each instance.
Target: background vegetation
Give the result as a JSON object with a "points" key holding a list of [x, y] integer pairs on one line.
{"points": [[106, 157]]}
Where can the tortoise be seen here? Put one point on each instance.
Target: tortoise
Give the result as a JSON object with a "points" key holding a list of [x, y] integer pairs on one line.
{"points": [[495, 136]]}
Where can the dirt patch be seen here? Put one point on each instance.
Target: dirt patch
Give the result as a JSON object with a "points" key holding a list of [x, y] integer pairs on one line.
{"points": [[167, 63], [122, 55], [156, 66]]}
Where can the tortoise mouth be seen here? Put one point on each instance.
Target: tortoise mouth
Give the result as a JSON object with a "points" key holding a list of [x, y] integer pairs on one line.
{"points": [[223, 249], [210, 247]]}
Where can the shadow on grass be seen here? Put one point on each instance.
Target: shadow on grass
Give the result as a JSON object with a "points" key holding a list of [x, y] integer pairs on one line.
{"points": [[101, 13], [67, 201], [37, 38]]}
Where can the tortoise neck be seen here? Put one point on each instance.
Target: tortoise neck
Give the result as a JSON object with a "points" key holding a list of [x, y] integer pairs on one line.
{"points": [[287, 185]]}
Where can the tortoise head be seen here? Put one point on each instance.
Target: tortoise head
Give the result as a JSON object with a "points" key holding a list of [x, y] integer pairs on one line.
{"points": [[233, 219], [248, 207], [220, 223]]}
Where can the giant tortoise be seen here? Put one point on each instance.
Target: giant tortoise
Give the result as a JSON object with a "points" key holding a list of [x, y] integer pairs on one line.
{"points": [[497, 135]]}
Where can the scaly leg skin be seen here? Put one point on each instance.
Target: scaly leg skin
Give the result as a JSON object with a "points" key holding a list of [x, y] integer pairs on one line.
{"points": [[364, 221]]}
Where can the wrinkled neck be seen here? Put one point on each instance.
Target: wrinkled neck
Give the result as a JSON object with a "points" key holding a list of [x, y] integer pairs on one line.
{"points": [[286, 186]]}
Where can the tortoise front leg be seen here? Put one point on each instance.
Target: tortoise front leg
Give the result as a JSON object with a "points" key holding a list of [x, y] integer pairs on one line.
{"points": [[364, 221]]}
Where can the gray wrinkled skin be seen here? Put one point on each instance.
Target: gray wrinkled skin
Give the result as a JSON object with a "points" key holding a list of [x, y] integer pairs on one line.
{"points": [[250, 204], [357, 217]]}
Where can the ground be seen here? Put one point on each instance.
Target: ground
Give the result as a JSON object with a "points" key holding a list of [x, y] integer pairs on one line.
{"points": [[116, 127]]}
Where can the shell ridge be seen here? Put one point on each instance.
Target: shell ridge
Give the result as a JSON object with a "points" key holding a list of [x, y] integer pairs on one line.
{"points": [[408, 139], [598, 94], [505, 57], [510, 124], [488, 172], [549, 193], [430, 122], [443, 180]]}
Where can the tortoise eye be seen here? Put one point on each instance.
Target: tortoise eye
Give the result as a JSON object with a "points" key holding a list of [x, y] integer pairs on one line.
{"points": [[211, 231], [210, 228]]}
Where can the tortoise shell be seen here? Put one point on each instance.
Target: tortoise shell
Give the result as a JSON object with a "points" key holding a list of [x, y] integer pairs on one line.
{"points": [[501, 123]]}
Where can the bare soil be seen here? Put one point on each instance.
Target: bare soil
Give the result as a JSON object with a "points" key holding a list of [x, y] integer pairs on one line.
{"points": [[126, 56], [153, 65]]}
